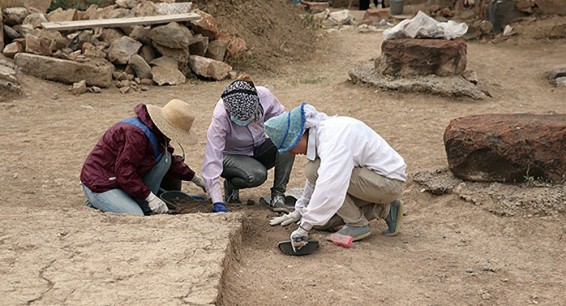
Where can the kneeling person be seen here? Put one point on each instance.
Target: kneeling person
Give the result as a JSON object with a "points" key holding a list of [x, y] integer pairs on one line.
{"points": [[353, 174], [126, 168]]}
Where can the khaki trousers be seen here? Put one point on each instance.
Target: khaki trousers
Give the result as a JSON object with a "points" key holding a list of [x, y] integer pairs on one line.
{"points": [[367, 198]]}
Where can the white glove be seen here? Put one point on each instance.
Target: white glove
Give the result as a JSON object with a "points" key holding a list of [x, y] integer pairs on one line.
{"points": [[199, 182], [299, 238], [156, 204], [286, 219]]}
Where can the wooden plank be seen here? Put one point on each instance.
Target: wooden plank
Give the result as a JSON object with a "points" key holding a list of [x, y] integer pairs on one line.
{"points": [[117, 22]]}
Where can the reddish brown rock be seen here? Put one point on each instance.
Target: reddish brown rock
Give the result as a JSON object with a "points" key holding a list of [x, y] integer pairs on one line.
{"points": [[417, 57], [507, 147], [206, 25]]}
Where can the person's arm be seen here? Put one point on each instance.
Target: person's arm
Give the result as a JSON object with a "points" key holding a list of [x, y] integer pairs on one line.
{"points": [[272, 106], [336, 165], [305, 198], [212, 165], [179, 170]]}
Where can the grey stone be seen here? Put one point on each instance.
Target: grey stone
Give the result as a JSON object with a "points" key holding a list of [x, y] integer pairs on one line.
{"points": [[141, 34], [172, 35], [148, 53], [217, 50], [12, 49], [165, 62], [11, 34], [455, 86], [198, 45], [35, 19], [140, 66], [209, 68], [94, 73], [180, 55], [78, 88], [121, 50], [15, 15], [37, 45], [62, 15], [110, 35], [165, 76]]}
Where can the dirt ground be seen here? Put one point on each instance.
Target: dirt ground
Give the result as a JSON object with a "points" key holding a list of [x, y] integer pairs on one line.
{"points": [[450, 251]]}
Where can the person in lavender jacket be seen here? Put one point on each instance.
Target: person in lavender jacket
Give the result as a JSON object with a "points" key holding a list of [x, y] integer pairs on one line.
{"points": [[238, 149]]}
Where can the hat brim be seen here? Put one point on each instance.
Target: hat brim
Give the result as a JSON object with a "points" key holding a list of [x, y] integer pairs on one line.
{"points": [[172, 132]]}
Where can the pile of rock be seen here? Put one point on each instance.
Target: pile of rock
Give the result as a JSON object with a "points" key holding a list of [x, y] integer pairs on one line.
{"points": [[128, 57]]}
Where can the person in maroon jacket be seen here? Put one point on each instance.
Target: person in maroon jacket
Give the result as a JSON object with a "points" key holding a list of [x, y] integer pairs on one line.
{"points": [[125, 170]]}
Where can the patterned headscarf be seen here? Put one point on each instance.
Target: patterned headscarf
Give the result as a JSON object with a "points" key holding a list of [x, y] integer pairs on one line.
{"points": [[241, 100]]}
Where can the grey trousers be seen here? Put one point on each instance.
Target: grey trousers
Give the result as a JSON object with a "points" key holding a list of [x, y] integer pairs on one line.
{"points": [[251, 171], [367, 198]]}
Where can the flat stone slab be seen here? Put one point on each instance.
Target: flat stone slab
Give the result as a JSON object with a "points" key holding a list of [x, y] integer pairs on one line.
{"points": [[443, 86], [96, 258], [530, 199]]}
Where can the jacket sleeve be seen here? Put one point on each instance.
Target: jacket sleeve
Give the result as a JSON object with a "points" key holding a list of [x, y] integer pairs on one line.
{"points": [[270, 102], [128, 160], [212, 165]]}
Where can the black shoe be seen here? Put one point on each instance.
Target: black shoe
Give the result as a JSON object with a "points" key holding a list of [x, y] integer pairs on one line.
{"points": [[231, 194]]}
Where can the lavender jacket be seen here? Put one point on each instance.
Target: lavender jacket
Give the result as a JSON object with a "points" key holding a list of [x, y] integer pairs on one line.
{"points": [[225, 137]]}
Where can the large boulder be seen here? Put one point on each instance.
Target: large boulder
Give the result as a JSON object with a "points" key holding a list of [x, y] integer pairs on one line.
{"points": [[408, 57], [97, 73], [507, 147]]}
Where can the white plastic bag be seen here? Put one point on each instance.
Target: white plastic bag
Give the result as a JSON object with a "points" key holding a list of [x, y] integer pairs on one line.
{"points": [[423, 26]]}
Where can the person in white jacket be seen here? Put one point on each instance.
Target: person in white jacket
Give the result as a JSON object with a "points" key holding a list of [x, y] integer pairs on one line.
{"points": [[353, 174]]}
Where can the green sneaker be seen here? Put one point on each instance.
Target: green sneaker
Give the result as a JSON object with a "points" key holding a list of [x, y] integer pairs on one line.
{"points": [[394, 219], [231, 194], [356, 232], [277, 204]]}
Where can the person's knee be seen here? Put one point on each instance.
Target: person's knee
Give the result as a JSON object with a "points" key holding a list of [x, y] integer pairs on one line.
{"points": [[256, 177]]}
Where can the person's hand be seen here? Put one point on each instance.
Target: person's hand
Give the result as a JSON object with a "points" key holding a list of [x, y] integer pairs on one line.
{"points": [[299, 238], [199, 182], [156, 204], [220, 207], [286, 219]]}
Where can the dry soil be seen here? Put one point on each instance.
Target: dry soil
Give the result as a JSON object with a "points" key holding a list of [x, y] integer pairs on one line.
{"points": [[450, 251]]}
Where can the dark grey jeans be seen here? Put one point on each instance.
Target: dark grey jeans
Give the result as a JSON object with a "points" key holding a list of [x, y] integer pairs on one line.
{"points": [[251, 171]]}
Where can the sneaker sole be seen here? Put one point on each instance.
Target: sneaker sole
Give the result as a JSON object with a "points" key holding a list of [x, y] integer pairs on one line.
{"points": [[280, 209], [399, 222], [359, 237], [362, 236]]}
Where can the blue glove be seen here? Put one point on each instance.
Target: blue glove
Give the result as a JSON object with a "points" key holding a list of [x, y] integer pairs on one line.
{"points": [[220, 207]]}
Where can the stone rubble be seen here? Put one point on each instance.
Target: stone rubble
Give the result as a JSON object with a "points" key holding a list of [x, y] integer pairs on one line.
{"points": [[194, 48]]}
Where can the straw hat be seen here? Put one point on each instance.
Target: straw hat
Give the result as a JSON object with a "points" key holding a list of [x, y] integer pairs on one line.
{"points": [[174, 120], [286, 129]]}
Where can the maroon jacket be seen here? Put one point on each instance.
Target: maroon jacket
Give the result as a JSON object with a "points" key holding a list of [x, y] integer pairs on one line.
{"points": [[124, 155]]}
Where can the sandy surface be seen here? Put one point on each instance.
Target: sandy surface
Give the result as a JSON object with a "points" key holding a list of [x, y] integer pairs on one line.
{"points": [[451, 251]]}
